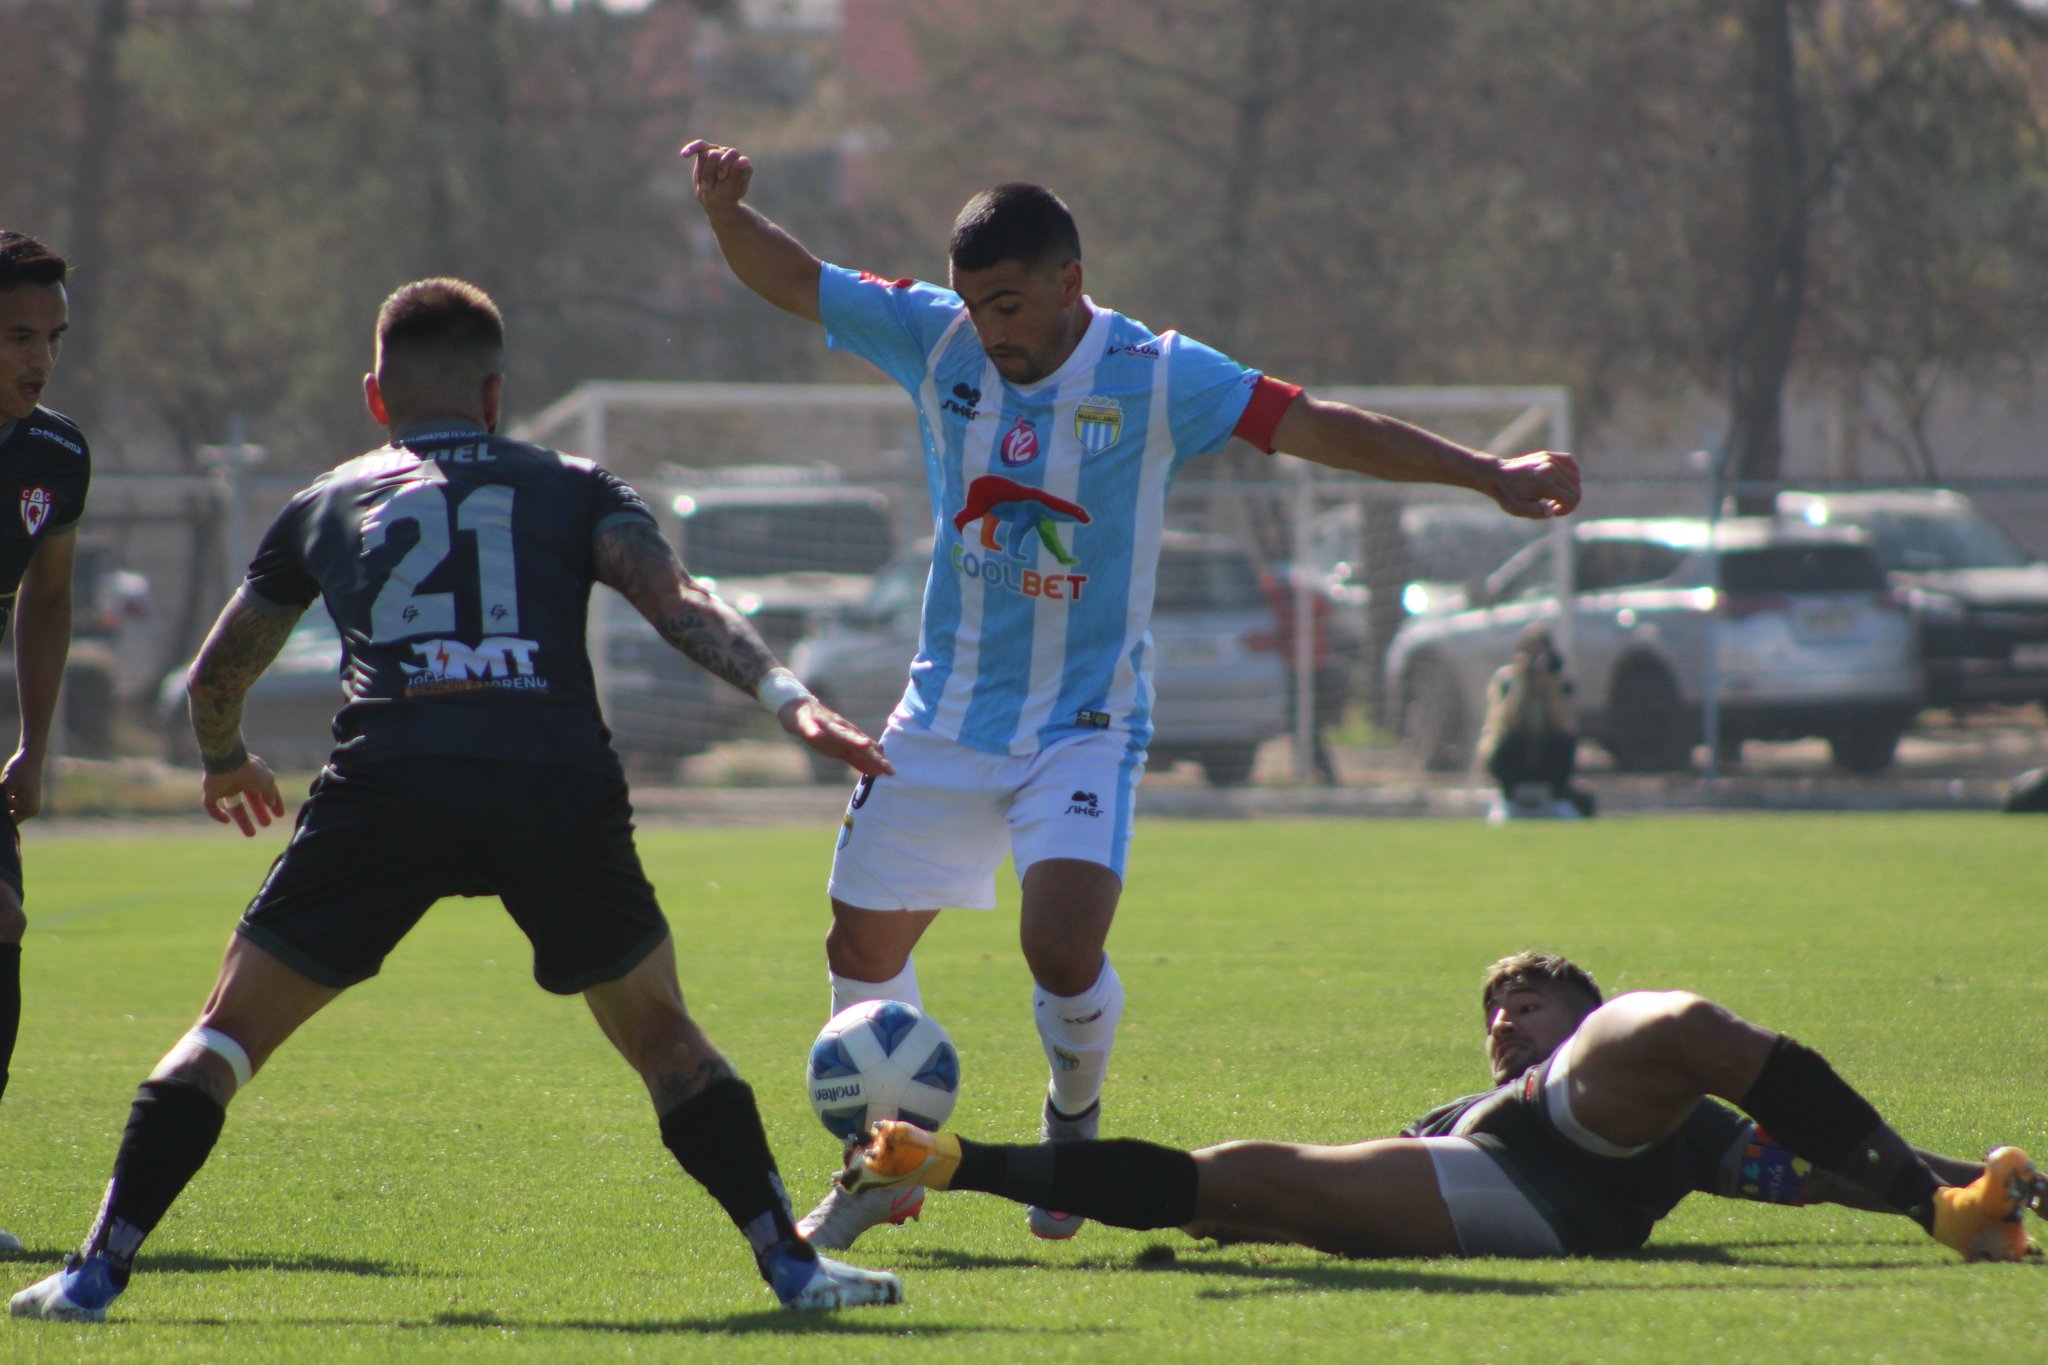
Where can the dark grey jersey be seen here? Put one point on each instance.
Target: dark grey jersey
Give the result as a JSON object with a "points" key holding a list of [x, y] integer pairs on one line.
{"points": [[458, 567], [1595, 1203]]}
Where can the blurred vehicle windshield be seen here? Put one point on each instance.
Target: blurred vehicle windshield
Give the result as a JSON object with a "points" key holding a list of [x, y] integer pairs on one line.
{"points": [[737, 541], [1192, 579], [1915, 543]]}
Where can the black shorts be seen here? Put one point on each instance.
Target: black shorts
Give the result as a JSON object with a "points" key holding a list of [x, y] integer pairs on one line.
{"points": [[380, 842], [10, 855]]}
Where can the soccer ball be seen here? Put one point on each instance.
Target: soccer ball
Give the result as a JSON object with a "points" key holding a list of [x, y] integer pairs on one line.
{"points": [[882, 1059]]}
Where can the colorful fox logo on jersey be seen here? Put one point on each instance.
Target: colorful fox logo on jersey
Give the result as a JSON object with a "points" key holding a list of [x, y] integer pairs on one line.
{"points": [[1010, 512], [1004, 503]]}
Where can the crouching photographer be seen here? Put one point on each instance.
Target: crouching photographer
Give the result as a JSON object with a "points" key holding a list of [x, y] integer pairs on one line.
{"points": [[1530, 742]]}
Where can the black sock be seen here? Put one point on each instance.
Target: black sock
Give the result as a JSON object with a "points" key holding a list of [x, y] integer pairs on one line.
{"points": [[10, 1005], [717, 1136], [1119, 1181], [172, 1127], [1815, 1114]]}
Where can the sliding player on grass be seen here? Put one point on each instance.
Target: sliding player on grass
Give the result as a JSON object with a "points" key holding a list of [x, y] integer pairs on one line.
{"points": [[1599, 1124]]}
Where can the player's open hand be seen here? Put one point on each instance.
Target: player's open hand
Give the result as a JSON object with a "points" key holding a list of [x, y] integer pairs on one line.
{"points": [[246, 797], [1538, 485], [834, 736], [722, 174]]}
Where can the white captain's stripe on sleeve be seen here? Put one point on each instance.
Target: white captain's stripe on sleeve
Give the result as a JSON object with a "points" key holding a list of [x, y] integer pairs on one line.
{"points": [[977, 448], [1049, 625], [1129, 694]]}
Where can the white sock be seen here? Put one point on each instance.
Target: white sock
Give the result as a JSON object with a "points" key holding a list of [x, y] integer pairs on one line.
{"points": [[1078, 1032], [847, 992]]}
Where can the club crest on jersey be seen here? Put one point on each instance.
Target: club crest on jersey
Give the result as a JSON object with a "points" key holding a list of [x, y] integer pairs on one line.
{"points": [[1020, 444], [1098, 422], [36, 502]]}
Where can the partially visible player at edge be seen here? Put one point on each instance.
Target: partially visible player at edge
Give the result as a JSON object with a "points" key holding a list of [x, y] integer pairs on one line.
{"points": [[471, 760], [1598, 1125], [45, 468], [1052, 432]]}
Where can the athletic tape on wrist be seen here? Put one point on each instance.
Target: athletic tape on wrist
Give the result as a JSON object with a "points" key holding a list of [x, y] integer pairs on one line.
{"points": [[779, 689]]}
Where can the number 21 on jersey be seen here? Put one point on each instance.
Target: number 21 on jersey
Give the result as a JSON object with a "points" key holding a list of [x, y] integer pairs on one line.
{"points": [[401, 609]]}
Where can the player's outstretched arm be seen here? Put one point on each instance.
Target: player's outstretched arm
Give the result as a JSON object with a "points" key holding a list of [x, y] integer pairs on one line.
{"points": [[42, 642], [1544, 483], [633, 558], [238, 787], [766, 259]]}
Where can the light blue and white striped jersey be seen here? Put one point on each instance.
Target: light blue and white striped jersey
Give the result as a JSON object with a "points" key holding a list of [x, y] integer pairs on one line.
{"points": [[1048, 503]]}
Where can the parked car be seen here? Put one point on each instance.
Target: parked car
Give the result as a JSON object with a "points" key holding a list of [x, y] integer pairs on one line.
{"points": [[112, 624], [1982, 601], [288, 713], [1218, 674], [1447, 545], [1809, 640]]}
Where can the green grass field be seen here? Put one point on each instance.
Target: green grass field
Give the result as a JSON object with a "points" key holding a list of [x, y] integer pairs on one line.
{"points": [[450, 1162]]}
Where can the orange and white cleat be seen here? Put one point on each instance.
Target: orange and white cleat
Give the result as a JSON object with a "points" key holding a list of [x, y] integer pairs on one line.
{"points": [[1981, 1220], [898, 1153]]}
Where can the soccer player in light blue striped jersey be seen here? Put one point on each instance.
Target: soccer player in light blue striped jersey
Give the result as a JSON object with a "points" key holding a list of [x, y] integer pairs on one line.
{"points": [[1053, 429]]}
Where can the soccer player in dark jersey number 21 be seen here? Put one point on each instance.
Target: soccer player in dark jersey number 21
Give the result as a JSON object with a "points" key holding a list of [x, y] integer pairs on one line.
{"points": [[470, 761], [1053, 430], [44, 470]]}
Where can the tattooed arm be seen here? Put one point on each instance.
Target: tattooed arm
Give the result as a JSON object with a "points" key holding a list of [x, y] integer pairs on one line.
{"points": [[238, 785], [632, 556]]}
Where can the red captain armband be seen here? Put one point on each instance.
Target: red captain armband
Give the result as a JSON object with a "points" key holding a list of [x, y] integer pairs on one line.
{"points": [[1270, 400], [870, 277]]}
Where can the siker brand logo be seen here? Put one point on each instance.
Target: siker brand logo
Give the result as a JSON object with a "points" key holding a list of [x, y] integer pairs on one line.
{"points": [[1146, 350], [1011, 514], [965, 402], [1084, 803]]}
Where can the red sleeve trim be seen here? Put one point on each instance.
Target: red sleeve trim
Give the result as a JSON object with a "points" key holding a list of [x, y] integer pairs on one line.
{"points": [[1270, 400]]}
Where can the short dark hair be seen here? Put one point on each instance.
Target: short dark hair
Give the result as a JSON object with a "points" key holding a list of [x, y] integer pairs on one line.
{"points": [[440, 314], [436, 334], [1014, 222], [1531, 967], [24, 260]]}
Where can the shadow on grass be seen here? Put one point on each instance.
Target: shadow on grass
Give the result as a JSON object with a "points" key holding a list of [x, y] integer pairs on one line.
{"points": [[191, 1263], [769, 1322], [1315, 1277]]}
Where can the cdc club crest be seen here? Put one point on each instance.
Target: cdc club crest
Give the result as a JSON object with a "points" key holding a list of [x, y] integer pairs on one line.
{"points": [[36, 502], [1098, 421]]}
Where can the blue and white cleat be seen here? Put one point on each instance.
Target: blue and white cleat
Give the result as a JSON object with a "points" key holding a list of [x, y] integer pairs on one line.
{"points": [[821, 1285], [80, 1292], [8, 1241]]}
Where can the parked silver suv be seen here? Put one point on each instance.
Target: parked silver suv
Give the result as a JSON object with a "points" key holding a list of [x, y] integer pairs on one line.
{"points": [[783, 545], [1810, 640]]}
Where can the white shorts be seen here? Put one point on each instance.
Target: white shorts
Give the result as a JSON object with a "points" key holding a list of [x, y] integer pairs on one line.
{"points": [[930, 836], [1489, 1212]]}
